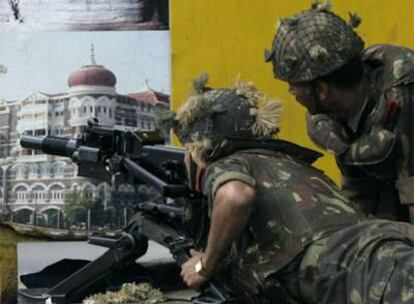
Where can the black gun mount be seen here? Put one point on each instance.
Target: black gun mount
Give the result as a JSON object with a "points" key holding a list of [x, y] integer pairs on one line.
{"points": [[136, 157]]}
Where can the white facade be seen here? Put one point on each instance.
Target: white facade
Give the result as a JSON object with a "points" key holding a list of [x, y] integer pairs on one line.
{"points": [[83, 106], [37, 183]]}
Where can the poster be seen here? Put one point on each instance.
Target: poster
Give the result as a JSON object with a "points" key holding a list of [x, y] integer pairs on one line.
{"points": [[63, 62]]}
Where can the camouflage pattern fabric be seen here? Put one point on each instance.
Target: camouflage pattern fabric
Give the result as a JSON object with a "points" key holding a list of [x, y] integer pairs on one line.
{"points": [[209, 117], [374, 150], [368, 263], [225, 113], [295, 205], [312, 44]]}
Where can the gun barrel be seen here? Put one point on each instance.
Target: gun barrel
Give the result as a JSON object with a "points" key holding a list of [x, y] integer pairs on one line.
{"points": [[31, 142], [54, 145]]}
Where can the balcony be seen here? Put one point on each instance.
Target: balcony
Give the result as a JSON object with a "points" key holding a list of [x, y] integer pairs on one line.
{"points": [[28, 125], [33, 109], [34, 158]]}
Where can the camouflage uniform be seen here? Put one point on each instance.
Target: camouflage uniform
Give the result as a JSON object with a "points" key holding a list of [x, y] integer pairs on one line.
{"points": [[295, 205], [305, 243], [375, 148], [372, 262]]}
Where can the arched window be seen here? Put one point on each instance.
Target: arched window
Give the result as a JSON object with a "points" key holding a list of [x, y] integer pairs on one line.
{"points": [[39, 193], [22, 194], [88, 191], [56, 193]]}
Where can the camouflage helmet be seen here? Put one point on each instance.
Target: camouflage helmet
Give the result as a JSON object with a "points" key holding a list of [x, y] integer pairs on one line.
{"points": [[313, 43], [209, 116]]}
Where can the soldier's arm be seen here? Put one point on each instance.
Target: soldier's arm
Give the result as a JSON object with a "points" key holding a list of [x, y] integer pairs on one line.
{"points": [[232, 208]]}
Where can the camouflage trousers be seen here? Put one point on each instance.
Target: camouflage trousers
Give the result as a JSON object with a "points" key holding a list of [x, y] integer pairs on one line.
{"points": [[368, 263]]}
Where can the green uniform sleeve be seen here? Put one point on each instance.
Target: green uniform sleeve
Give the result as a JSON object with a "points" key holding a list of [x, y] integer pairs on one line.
{"points": [[223, 171]]}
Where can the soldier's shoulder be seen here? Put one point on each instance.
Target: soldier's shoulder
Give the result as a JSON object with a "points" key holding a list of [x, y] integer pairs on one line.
{"points": [[387, 51], [230, 163], [225, 169], [230, 159], [396, 62]]}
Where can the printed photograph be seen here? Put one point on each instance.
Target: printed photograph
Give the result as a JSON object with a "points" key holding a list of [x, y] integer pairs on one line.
{"points": [[54, 84], [83, 15], [235, 153]]}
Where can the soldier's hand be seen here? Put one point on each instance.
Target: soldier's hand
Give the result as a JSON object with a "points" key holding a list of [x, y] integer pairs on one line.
{"points": [[189, 273]]}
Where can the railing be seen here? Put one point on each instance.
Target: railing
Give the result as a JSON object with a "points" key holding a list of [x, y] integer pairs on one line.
{"points": [[43, 197]]}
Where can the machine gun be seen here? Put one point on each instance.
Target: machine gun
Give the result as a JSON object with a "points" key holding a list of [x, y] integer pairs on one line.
{"points": [[135, 157]]}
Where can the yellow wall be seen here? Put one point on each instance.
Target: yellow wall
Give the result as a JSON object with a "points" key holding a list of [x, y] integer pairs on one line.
{"points": [[228, 37]]}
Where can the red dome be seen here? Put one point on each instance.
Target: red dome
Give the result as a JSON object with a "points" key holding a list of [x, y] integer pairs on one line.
{"points": [[94, 75]]}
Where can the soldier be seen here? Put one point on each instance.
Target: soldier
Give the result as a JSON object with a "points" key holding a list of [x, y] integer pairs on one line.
{"points": [[280, 230], [360, 105]]}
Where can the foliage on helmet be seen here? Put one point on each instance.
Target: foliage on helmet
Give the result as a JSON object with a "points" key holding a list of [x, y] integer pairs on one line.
{"points": [[267, 112], [209, 116], [313, 43]]}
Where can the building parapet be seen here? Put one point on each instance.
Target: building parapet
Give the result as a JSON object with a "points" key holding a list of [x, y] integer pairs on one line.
{"points": [[33, 158]]}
